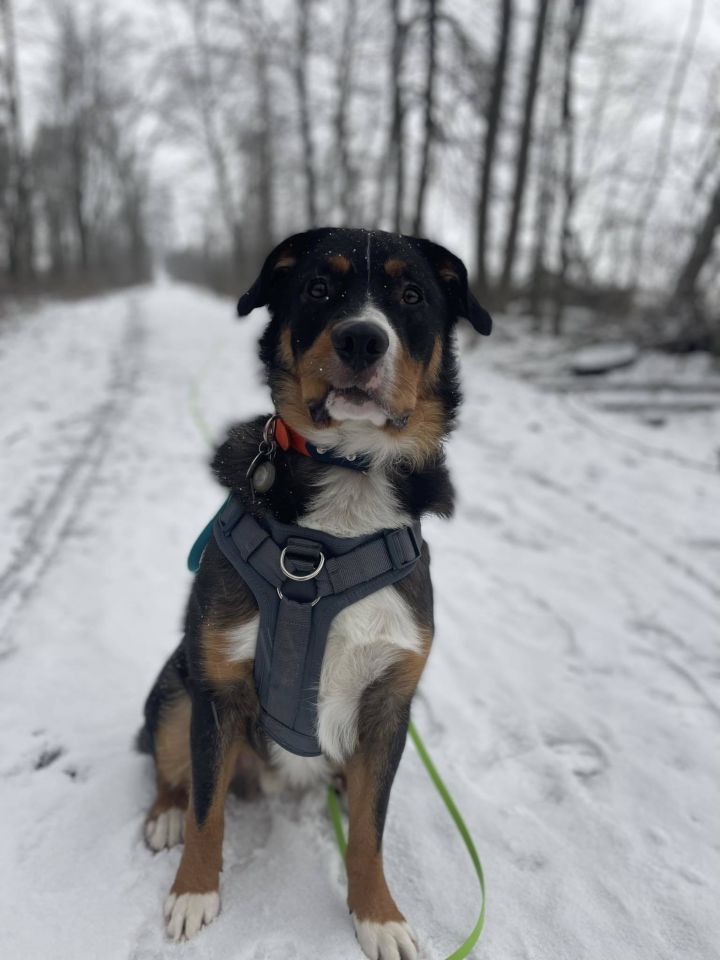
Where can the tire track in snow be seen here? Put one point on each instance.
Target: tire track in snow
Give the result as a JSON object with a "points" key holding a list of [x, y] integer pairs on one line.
{"points": [[56, 514]]}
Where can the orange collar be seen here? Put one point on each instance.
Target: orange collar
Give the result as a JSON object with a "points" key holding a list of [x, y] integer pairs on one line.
{"points": [[289, 439]]}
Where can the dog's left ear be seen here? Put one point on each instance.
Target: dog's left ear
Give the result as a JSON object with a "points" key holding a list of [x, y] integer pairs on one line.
{"points": [[279, 262], [452, 274]]}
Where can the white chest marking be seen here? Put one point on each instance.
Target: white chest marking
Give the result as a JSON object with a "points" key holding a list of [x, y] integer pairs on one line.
{"points": [[364, 640]]}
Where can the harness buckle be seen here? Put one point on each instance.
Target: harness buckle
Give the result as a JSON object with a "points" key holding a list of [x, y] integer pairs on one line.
{"points": [[395, 547]]}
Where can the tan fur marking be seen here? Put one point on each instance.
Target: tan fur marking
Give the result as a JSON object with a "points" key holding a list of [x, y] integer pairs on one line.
{"points": [[446, 272], [172, 747], [317, 368], [425, 428], [368, 894], [286, 351], [201, 862], [394, 267], [339, 262], [432, 370], [405, 385], [409, 669], [218, 666], [284, 261], [308, 379]]}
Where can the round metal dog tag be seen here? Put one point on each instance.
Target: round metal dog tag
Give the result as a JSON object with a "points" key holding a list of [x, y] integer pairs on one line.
{"points": [[263, 476]]}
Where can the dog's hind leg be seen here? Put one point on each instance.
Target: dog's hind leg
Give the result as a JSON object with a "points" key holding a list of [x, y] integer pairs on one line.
{"points": [[194, 898], [165, 822], [166, 735]]}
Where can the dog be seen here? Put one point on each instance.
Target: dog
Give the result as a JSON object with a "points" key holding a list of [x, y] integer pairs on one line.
{"points": [[360, 359]]}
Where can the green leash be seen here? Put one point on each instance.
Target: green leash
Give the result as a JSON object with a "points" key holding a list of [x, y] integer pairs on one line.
{"points": [[333, 803]]}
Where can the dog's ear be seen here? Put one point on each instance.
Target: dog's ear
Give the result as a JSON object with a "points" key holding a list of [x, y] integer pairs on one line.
{"points": [[452, 274], [279, 262]]}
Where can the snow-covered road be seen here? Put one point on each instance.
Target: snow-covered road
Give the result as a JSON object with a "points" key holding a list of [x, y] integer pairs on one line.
{"points": [[571, 699]]}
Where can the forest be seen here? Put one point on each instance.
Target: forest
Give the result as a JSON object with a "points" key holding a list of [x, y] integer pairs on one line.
{"points": [[572, 157]]}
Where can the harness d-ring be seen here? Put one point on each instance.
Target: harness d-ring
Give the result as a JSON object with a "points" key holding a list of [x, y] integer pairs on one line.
{"points": [[307, 576]]}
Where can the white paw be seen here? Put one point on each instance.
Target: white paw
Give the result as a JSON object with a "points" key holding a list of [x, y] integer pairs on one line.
{"points": [[386, 941], [165, 830], [187, 913]]}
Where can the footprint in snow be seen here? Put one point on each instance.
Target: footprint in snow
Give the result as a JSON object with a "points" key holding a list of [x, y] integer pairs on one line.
{"points": [[48, 756], [585, 759]]}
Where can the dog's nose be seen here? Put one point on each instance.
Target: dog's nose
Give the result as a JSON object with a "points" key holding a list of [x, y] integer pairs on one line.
{"points": [[360, 343]]}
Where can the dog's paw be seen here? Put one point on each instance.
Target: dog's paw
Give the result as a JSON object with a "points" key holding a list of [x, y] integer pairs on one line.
{"points": [[187, 913], [166, 829], [386, 941]]}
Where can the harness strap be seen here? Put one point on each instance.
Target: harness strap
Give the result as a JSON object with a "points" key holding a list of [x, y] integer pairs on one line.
{"points": [[301, 579]]}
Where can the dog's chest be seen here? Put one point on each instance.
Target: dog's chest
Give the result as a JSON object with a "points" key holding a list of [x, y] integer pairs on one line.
{"points": [[364, 639]]}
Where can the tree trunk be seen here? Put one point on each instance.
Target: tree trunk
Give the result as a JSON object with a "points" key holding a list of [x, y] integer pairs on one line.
{"points": [[19, 200], [576, 20], [301, 64], [266, 192], [202, 90], [661, 164], [429, 122], [523, 157], [397, 130], [686, 284], [78, 168], [494, 115], [345, 184]]}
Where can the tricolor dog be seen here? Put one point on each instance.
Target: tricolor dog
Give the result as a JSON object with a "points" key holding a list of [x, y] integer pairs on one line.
{"points": [[310, 619]]}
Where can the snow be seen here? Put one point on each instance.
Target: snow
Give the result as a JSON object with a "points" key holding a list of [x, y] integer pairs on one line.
{"points": [[571, 700], [603, 357]]}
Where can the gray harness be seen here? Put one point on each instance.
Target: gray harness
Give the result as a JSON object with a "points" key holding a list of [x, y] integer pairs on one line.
{"points": [[301, 580]]}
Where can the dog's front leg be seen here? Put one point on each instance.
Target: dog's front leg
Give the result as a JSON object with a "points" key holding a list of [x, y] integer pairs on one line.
{"points": [[194, 898], [380, 927]]}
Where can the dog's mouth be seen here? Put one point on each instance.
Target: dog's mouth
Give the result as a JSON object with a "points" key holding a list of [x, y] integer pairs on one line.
{"points": [[355, 403]]}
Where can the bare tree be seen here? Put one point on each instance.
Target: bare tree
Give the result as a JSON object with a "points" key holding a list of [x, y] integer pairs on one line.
{"points": [[17, 201], [429, 119], [89, 161], [487, 164], [547, 177], [523, 155], [686, 283], [301, 82], [661, 163], [346, 175], [397, 127], [574, 28]]}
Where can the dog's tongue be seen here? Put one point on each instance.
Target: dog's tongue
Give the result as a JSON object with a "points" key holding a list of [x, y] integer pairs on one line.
{"points": [[354, 404]]}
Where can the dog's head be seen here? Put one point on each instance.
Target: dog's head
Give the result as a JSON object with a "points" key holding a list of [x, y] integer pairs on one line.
{"points": [[358, 351]]}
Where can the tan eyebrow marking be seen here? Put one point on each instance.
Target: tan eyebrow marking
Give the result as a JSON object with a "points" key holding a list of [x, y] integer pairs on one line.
{"points": [[339, 262], [394, 267], [284, 261], [447, 272]]}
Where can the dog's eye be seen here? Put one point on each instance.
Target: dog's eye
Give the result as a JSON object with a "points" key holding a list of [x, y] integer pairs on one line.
{"points": [[412, 295], [318, 288]]}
